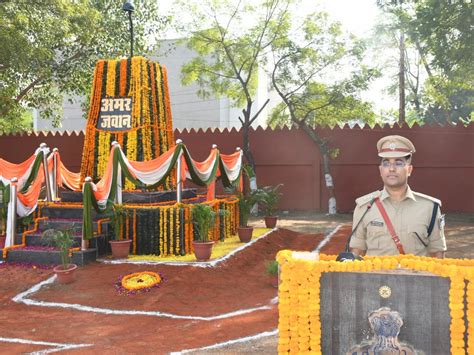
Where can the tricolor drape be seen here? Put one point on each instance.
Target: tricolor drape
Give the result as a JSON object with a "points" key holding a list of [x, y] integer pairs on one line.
{"points": [[30, 177], [101, 195], [25, 172]]}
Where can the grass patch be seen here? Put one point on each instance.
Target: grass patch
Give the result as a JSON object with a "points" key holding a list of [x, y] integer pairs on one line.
{"points": [[219, 250]]}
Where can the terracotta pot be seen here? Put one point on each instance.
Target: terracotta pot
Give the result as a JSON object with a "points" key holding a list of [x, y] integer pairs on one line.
{"points": [[120, 248], [3, 239], [65, 274], [202, 250], [245, 234], [271, 221]]}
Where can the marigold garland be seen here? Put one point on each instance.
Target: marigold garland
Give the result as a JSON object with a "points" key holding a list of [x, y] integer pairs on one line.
{"points": [[169, 228], [144, 81], [87, 163], [165, 229], [139, 280], [299, 295], [136, 287]]}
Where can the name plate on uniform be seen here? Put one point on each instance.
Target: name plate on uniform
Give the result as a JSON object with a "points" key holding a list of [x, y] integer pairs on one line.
{"points": [[115, 114]]}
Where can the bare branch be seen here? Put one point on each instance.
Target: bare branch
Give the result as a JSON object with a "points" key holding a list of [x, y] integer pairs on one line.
{"points": [[259, 111], [28, 88]]}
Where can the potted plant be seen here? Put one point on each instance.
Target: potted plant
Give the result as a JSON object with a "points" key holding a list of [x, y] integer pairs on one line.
{"points": [[120, 247], [272, 269], [63, 240], [246, 202], [270, 198], [203, 219]]}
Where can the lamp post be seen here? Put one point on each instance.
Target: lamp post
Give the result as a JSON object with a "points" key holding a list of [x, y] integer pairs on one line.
{"points": [[128, 7]]}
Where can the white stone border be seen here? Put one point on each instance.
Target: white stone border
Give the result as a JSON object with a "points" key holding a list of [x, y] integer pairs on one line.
{"points": [[230, 342], [327, 238], [23, 298], [56, 346], [204, 264]]}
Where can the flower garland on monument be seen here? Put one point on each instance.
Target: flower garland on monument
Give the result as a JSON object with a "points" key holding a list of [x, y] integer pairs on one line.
{"points": [[299, 295], [169, 238], [150, 133]]}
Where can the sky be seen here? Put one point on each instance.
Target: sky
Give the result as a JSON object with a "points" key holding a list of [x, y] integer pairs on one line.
{"points": [[355, 16]]}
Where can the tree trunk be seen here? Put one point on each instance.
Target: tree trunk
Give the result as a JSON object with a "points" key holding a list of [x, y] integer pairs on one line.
{"points": [[251, 161], [323, 149], [246, 148], [401, 81]]}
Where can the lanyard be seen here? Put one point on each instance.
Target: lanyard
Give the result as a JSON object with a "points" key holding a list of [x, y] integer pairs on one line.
{"points": [[397, 241]]}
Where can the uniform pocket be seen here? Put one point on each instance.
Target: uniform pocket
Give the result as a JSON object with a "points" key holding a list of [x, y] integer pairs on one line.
{"points": [[419, 239], [378, 237]]}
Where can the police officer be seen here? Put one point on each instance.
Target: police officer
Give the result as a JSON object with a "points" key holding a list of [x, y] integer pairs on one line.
{"points": [[417, 226]]}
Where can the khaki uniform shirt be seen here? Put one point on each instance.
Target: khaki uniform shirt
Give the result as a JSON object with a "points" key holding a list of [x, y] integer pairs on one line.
{"points": [[410, 218]]}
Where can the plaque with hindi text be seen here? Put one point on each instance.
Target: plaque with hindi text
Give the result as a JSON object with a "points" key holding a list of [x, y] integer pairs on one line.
{"points": [[115, 114]]}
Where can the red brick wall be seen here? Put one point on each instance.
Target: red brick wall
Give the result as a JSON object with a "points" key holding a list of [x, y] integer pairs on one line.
{"points": [[443, 163]]}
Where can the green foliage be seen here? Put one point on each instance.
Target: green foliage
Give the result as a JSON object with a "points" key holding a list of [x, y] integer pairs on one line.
{"points": [[231, 39], [439, 34], [118, 219], [4, 209], [26, 221], [49, 48], [246, 202], [229, 46], [63, 240], [203, 217], [306, 61], [248, 199], [272, 267], [270, 196]]}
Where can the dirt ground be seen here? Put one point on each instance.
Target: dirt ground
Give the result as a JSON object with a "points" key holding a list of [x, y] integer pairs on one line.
{"points": [[193, 309]]}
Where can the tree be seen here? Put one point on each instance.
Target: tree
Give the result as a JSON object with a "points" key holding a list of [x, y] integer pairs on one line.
{"points": [[304, 60], [393, 6], [442, 34], [49, 48], [386, 52], [230, 49]]}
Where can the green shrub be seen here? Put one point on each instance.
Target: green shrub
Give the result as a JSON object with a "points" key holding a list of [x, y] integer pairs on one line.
{"points": [[270, 198], [272, 267], [63, 240]]}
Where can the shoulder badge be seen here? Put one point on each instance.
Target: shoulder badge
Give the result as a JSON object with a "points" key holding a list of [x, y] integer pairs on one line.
{"points": [[441, 222], [367, 198], [427, 197]]}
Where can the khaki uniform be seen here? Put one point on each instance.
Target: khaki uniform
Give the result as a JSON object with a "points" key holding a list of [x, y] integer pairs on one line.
{"points": [[410, 217]]}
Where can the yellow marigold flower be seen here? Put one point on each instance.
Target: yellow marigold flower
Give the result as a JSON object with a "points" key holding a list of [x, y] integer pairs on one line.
{"points": [[139, 280], [283, 347]]}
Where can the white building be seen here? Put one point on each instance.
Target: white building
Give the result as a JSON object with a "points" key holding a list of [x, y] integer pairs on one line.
{"points": [[189, 110]]}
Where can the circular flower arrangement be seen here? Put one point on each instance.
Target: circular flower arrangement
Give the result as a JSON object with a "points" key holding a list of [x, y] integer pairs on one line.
{"points": [[138, 282]]}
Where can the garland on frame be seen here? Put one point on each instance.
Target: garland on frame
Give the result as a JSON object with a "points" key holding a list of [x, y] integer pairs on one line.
{"points": [[299, 323]]}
